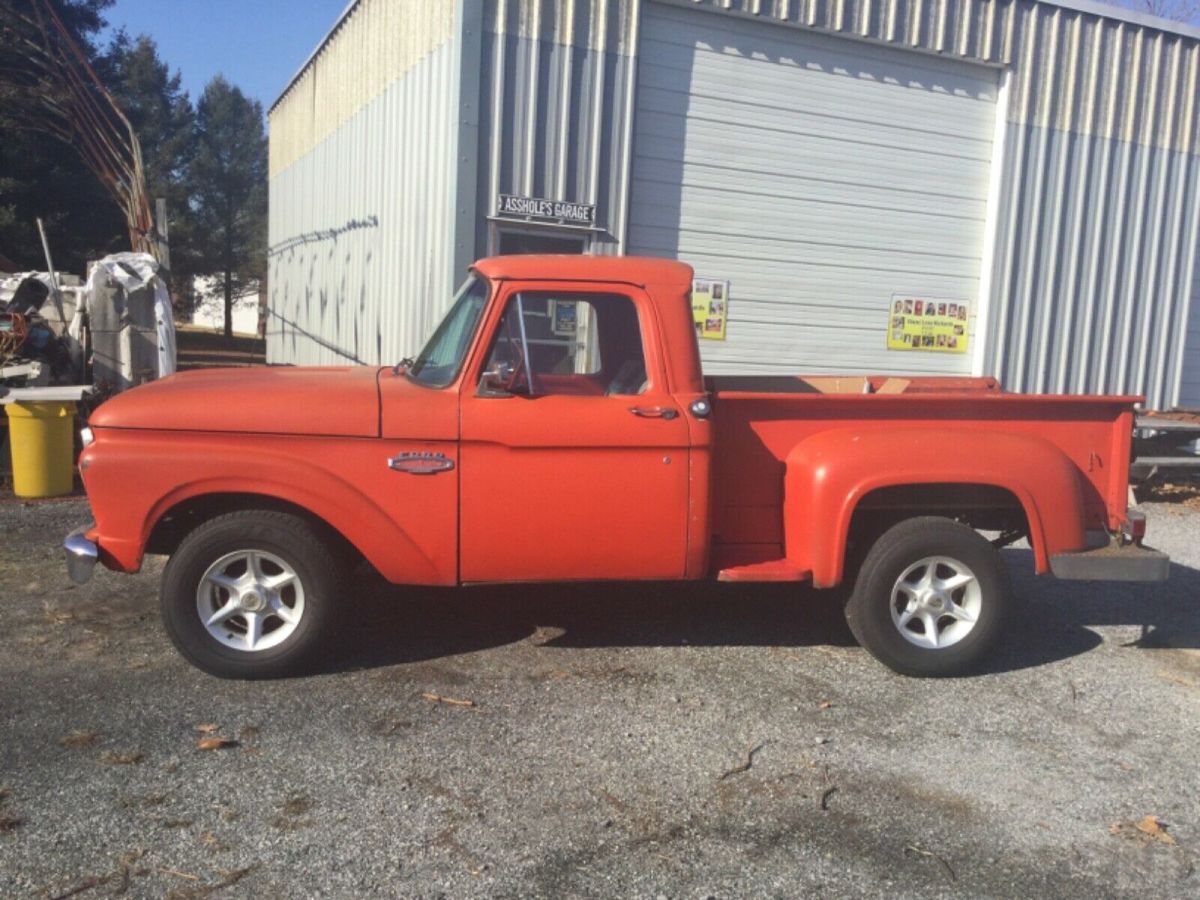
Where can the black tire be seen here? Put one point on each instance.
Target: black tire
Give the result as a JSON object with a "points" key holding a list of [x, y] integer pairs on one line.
{"points": [[272, 536], [900, 549]]}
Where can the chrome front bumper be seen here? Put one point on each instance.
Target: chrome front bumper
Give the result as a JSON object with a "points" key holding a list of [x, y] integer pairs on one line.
{"points": [[81, 555]]}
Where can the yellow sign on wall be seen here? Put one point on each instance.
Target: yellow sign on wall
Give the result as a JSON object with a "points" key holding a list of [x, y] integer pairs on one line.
{"points": [[710, 308], [932, 325]]}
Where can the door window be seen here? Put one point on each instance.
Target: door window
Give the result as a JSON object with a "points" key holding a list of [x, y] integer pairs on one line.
{"points": [[580, 344]]}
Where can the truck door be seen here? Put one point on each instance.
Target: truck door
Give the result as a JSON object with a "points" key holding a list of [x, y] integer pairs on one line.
{"points": [[574, 458]]}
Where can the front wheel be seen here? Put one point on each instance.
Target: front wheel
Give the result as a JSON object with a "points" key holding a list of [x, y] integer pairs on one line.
{"points": [[930, 598], [250, 594]]}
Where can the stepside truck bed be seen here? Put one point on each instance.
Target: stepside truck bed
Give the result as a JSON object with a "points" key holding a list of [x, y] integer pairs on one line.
{"points": [[762, 422]]}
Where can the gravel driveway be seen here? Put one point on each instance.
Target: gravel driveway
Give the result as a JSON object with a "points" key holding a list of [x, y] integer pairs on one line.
{"points": [[620, 742]]}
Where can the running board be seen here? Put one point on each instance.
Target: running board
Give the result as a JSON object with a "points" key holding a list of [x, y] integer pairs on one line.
{"points": [[771, 570]]}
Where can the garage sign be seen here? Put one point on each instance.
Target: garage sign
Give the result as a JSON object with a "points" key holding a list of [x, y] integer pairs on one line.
{"points": [[538, 209]]}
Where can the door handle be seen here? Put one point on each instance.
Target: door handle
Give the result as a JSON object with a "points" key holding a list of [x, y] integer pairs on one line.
{"points": [[654, 412]]}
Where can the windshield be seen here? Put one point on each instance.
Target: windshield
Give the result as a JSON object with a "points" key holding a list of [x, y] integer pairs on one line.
{"points": [[439, 362]]}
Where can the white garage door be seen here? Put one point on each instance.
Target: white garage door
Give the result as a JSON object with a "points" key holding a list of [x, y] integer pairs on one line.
{"points": [[819, 176]]}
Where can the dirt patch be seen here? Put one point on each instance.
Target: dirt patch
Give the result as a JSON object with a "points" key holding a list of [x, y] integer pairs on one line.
{"points": [[1184, 493]]}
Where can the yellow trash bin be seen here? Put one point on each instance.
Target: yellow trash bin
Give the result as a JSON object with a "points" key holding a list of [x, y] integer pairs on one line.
{"points": [[42, 437]]}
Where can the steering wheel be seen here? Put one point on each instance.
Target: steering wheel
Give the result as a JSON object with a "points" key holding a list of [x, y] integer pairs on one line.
{"points": [[518, 372], [507, 370]]}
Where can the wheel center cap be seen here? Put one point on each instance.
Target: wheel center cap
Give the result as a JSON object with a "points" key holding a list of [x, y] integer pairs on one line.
{"points": [[933, 601], [252, 601]]}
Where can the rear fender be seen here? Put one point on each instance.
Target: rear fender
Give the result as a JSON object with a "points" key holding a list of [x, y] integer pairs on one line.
{"points": [[830, 473]]}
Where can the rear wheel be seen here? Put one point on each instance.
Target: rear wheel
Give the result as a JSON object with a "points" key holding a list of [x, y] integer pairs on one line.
{"points": [[930, 598], [250, 595]]}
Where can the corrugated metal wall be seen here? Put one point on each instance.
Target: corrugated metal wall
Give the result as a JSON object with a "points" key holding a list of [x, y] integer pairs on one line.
{"points": [[1094, 263], [359, 267], [1094, 270], [821, 177], [556, 107], [1093, 267], [1068, 63], [1189, 391], [361, 258], [373, 44], [1095, 279]]}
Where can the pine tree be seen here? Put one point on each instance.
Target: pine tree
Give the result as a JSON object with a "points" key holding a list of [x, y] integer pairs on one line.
{"points": [[228, 183]]}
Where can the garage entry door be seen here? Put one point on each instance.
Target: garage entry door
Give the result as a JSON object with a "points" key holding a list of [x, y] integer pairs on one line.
{"points": [[819, 176]]}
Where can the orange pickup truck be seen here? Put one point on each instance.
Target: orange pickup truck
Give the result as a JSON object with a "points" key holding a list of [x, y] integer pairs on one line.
{"points": [[557, 427]]}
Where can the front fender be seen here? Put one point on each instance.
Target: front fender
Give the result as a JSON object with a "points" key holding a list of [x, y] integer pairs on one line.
{"points": [[829, 473], [134, 478]]}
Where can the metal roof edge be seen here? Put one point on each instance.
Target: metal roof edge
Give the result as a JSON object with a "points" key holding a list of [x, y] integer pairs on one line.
{"points": [[1091, 7], [312, 56]]}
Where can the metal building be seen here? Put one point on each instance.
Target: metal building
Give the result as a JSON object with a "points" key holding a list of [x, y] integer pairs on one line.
{"points": [[1030, 166]]}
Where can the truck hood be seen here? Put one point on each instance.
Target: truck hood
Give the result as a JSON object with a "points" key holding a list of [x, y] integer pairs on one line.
{"points": [[328, 401]]}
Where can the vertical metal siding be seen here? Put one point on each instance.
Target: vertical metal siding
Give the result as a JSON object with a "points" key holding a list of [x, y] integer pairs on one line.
{"points": [[372, 44], [555, 106], [1102, 203], [1045, 43], [1094, 281], [362, 244], [1094, 285], [1189, 349]]}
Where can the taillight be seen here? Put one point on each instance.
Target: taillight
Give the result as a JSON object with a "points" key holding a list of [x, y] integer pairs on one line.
{"points": [[1134, 528]]}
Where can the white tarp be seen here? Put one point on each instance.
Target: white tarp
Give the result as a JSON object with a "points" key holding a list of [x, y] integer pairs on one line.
{"points": [[133, 271]]}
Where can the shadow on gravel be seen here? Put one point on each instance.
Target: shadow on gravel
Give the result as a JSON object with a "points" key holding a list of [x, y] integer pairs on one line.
{"points": [[395, 625], [1051, 620]]}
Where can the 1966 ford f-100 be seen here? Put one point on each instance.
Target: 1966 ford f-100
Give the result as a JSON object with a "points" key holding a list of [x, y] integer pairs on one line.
{"points": [[557, 427]]}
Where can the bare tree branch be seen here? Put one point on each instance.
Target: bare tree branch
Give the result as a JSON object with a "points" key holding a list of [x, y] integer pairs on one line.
{"points": [[48, 85]]}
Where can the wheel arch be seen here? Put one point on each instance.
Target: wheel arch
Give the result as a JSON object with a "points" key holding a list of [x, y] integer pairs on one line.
{"points": [[361, 528], [984, 507], [830, 475], [176, 522]]}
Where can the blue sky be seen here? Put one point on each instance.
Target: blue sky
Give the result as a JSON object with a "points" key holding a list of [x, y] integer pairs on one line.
{"points": [[256, 44]]}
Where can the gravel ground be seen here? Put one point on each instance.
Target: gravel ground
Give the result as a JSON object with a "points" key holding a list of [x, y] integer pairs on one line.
{"points": [[625, 741]]}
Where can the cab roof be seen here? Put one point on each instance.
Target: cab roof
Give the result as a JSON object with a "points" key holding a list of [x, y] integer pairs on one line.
{"points": [[631, 269]]}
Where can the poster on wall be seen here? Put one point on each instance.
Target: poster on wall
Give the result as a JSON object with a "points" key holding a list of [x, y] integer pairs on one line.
{"points": [[562, 317], [710, 308], [927, 324]]}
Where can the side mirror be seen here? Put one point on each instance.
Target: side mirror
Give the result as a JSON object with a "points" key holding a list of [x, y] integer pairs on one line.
{"points": [[495, 380]]}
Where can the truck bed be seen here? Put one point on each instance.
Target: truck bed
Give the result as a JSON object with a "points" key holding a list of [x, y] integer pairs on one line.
{"points": [[759, 420]]}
